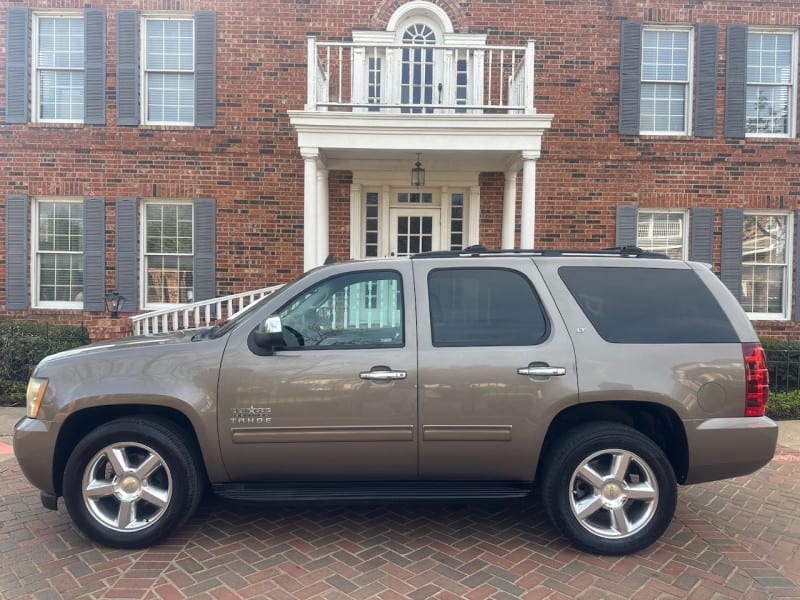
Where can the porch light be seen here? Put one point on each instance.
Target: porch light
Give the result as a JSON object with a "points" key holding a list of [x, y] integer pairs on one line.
{"points": [[418, 174], [114, 303]]}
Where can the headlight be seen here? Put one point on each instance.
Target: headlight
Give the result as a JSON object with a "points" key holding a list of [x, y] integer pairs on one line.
{"points": [[34, 395]]}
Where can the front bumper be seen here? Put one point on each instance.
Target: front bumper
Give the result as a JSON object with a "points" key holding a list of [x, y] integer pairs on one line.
{"points": [[34, 447], [729, 447]]}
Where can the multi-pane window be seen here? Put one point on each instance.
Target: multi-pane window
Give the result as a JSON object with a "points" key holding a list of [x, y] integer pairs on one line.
{"points": [[771, 78], [664, 105], [58, 63], [662, 231], [371, 226], [58, 243], [457, 221], [374, 67], [766, 253], [416, 85], [168, 71], [168, 253]]}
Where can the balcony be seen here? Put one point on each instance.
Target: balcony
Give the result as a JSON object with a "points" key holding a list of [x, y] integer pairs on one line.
{"points": [[420, 79]]}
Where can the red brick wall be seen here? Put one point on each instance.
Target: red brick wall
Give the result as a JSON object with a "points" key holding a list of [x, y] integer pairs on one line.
{"points": [[251, 165]]}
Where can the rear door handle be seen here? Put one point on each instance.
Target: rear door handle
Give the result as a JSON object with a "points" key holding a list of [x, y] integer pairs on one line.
{"points": [[386, 375], [542, 371]]}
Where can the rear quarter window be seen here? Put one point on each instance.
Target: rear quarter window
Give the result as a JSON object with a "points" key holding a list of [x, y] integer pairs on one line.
{"points": [[648, 306]]}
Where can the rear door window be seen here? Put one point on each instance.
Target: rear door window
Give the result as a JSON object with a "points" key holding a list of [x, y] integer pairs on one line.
{"points": [[648, 306], [484, 307]]}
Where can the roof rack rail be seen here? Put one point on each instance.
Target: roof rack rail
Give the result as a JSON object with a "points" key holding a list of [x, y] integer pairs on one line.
{"points": [[474, 251]]}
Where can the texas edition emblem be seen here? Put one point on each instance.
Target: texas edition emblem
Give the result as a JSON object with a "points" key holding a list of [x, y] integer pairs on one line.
{"points": [[251, 416]]}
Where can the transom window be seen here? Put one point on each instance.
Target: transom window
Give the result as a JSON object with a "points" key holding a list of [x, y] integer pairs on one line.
{"points": [[58, 243], [168, 255], [771, 75], [765, 264], [59, 63], [666, 56], [662, 231], [168, 71]]}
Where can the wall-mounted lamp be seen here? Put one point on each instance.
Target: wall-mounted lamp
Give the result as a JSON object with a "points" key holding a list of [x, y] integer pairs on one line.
{"points": [[418, 174], [114, 303]]}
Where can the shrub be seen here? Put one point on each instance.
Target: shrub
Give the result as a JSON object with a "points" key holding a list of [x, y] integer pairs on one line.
{"points": [[783, 362], [784, 405], [23, 345]]}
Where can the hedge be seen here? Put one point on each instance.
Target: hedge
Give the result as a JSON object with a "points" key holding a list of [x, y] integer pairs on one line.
{"points": [[22, 345]]}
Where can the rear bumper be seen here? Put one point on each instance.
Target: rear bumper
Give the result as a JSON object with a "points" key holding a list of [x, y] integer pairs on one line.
{"points": [[729, 447], [34, 446]]}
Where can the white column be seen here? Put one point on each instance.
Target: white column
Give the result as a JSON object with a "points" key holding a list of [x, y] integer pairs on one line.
{"points": [[528, 208], [310, 158], [509, 210], [323, 215], [356, 221]]}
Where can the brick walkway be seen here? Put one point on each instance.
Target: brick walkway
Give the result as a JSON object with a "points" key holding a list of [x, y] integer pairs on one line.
{"points": [[734, 539]]}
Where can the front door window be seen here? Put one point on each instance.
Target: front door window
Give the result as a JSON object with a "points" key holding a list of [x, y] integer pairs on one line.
{"points": [[414, 230]]}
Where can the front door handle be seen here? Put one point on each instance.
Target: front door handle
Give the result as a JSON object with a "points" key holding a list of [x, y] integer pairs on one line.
{"points": [[542, 371], [384, 375]]}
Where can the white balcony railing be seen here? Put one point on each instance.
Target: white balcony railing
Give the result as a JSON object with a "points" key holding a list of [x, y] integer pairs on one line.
{"points": [[198, 314], [403, 78]]}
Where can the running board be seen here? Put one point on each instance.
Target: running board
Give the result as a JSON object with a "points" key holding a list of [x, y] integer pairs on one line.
{"points": [[283, 491]]}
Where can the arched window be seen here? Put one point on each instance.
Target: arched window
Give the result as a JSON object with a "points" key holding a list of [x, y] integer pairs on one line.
{"points": [[418, 68]]}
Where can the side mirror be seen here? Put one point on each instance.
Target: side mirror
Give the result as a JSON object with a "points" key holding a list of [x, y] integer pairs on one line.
{"points": [[267, 336]]}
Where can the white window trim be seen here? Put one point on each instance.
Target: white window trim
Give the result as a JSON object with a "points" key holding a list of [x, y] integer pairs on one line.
{"points": [[34, 263], [143, 254], [34, 75], [168, 16], [789, 261], [669, 211], [792, 116], [687, 112]]}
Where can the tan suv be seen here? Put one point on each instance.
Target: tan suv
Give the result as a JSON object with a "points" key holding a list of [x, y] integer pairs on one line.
{"points": [[602, 379]]}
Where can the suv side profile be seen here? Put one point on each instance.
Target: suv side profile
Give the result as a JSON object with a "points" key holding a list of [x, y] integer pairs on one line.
{"points": [[602, 379]]}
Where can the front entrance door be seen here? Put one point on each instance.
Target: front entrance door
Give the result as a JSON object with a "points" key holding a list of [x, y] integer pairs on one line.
{"points": [[413, 230]]}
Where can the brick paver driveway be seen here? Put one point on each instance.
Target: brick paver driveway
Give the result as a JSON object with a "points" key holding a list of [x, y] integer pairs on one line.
{"points": [[733, 539]]}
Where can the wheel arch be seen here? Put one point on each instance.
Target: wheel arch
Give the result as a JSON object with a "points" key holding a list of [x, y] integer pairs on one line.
{"points": [[659, 423], [80, 423]]}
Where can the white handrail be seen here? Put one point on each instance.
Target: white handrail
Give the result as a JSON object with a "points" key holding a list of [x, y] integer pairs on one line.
{"points": [[197, 314]]}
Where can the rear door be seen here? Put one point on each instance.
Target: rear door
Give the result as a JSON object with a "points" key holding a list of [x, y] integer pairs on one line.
{"points": [[495, 365]]}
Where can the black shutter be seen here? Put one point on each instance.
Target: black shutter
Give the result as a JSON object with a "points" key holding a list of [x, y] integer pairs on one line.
{"points": [[627, 219], [731, 253], [702, 224], [17, 58], [630, 74], [205, 244], [127, 252], [205, 66], [127, 67], [94, 107], [735, 81], [797, 262], [705, 109], [17, 292], [94, 253]]}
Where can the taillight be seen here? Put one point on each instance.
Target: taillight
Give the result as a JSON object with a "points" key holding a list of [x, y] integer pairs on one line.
{"points": [[756, 378]]}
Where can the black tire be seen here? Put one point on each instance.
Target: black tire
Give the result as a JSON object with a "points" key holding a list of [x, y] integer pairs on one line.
{"points": [[624, 510], [159, 488]]}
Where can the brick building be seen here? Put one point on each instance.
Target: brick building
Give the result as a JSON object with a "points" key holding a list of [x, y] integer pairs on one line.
{"points": [[176, 151]]}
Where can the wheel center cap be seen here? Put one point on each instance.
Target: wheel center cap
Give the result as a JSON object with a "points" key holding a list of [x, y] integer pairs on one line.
{"points": [[613, 493], [130, 484]]}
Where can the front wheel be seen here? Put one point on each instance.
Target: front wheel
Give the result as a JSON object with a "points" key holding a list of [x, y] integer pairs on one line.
{"points": [[609, 488], [131, 482]]}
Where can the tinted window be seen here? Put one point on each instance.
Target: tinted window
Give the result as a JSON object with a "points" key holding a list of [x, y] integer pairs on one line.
{"points": [[648, 306], [356, 310], [484, 307]]}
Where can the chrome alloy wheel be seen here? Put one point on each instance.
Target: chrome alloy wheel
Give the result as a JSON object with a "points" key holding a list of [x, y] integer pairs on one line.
{"points": [[127, 486], [613, 493]]}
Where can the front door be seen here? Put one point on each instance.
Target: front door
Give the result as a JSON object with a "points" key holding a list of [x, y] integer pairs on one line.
{"points": [[340, 400], [413, 230]]}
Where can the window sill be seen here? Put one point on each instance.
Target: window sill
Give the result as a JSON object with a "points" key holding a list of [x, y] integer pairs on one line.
{"points": [[767, 317], [56, 125]]}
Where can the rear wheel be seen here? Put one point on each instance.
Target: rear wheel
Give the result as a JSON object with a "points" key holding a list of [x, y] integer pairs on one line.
{"points": [[609, 488], [131, 482]]}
